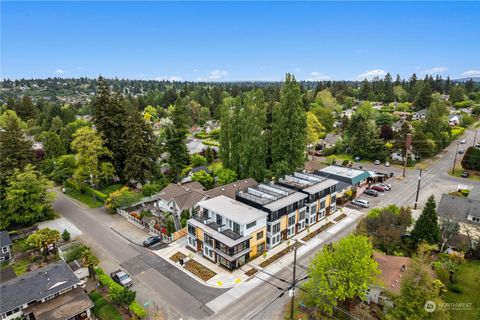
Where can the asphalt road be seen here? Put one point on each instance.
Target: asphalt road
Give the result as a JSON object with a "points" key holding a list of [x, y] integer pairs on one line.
{"points": [[156, 281]]}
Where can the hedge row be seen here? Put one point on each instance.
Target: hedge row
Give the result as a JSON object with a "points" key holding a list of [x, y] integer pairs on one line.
{"points": [[137, 310], [86, 190]]}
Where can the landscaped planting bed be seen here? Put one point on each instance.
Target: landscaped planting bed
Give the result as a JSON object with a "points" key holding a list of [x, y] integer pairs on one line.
{"points": [[278, 255], [314, 233], [199, 270], [340, 217], [251, 272], [177, 256]]}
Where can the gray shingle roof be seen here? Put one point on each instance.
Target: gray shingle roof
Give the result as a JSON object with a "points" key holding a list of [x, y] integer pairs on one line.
{"points": [[36, 285], [458, 208], [4, 239]]}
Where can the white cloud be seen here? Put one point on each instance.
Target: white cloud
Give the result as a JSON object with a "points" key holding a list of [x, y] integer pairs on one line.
{"points": [[372, 74], [59, 71], [471, 73], [296, 69], [435, 70], [318, 76], [215, 75], [169, 78]]}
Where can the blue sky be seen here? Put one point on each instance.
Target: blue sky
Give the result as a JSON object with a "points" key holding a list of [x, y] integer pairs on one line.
{"points": [[229, 41]]}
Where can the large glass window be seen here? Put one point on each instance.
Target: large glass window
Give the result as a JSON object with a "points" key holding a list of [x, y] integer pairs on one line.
{"points": [[191, 230], [208, 240], [291, 220], [259, 235], [236, 227], [276, 228], [301, 215], [260, 247], [219, 220], [251, 224]]}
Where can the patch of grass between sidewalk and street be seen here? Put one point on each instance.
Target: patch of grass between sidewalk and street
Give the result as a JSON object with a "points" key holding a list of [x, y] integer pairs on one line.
{"points": [[199, 270], [314, 233], [251, 272], [84, 198], [340, 217]]}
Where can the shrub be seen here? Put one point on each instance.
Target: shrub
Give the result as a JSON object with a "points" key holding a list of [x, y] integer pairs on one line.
{"points": [[137, 310], [95, 295], [122, 295], [65, 235], [149, 189], [455, 288], [108, 312], [109, 283], [99, 303], [75, 252], [442, 275]]}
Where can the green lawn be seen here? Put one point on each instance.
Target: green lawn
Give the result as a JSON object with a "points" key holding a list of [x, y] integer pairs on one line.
{"points": [[85, 198], [20, 246], [468, 279], [111, 188], [458, 173]]}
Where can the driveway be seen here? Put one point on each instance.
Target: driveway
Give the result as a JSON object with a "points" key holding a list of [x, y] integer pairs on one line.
{"points": [[158, 283]]}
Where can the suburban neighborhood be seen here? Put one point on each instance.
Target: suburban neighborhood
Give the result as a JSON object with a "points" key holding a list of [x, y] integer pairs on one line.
{"points": [[239, 160]]}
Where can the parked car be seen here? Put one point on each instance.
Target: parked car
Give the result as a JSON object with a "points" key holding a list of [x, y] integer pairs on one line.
{"points": [[387, 164], [122, 278], [378, 188], [477, 145], [356, 159], [370, 192], [465, 174], [377, 162], [463, 141], [461, 151], [386, 186], [151, 241], [361, 203]]}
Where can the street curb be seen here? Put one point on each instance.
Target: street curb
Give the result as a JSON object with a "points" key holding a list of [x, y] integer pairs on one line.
{"points": [[129, 240]]}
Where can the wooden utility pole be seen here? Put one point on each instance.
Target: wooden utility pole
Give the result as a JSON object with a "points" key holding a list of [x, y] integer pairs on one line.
{"points": [[408, 144], [418, 188], [455, 160], [292, 301]]}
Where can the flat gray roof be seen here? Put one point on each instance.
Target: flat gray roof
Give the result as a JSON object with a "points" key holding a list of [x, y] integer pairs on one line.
{"points": [[285, 201], [232, 209], [342, 171], [321, 186]]}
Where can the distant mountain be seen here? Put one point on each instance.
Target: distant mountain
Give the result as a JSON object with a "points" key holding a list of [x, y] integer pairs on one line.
{"points": [[476, 79]]}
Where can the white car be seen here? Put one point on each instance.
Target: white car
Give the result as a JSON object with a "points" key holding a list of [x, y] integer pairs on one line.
{"points": [[377, 162], [387, 164], [361, 203], [463, 141], [386, 186]]}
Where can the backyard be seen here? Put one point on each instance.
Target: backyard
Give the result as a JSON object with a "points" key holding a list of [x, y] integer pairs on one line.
{"points": [[468, 291]]}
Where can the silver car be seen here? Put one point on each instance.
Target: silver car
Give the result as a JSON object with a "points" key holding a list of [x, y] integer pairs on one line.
{"points": [[361, 203]]}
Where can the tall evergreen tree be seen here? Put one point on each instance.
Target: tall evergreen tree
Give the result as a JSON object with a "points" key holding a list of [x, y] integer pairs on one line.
{"points": [[388, 94], [109, 115], [426, 227], [175, 139], [25, 108], [289, 129], [424, 97], [447, 85], [140, 146], [15, 150], [253, 145]]}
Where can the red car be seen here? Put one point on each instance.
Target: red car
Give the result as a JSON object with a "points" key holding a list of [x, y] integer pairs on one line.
{"points": [[378, 188]]}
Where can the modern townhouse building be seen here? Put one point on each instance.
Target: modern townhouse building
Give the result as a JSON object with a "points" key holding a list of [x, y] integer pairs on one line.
{"points": [[285, 208], [227, 231], [321, 192]]}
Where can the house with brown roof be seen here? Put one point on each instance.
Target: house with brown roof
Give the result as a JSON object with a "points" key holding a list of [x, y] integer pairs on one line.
{"points": [[392, 269]]}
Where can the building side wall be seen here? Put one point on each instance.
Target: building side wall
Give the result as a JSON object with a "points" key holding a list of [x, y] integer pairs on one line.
{"points": [[254, 242]]}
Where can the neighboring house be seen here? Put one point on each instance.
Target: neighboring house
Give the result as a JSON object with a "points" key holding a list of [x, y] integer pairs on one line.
{"points": [[391, 270], [347, 177], [285, 208], [201, 168], [227, 231], [454, 119], [176, 198], [330, 140], [397, 156], [348, 113], [53, 292], [419, 114], [322, 195], [402, 114], [195, 146], [230, 190], [80, 271], [211, 125], [5, 244], [465, 211]]}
